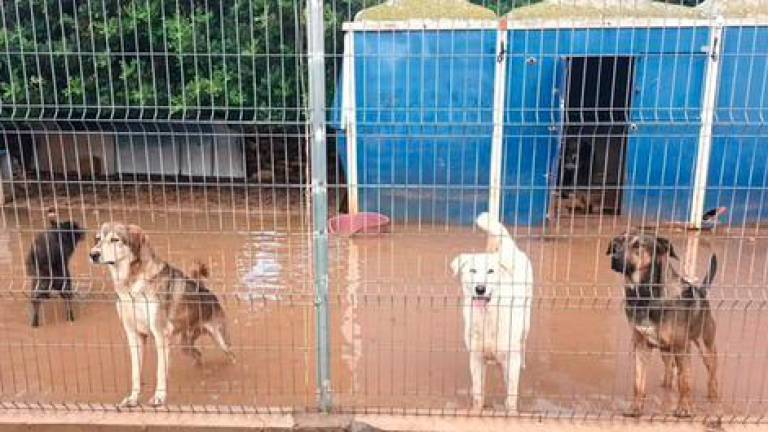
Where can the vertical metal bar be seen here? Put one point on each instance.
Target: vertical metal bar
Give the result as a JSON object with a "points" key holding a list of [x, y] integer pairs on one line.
{"points": [[707, 119], [349, 119], [499, 93], [316, 52]]}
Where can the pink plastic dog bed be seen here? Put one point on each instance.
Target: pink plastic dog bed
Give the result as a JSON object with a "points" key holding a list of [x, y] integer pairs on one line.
{"points": [[359, 223]]}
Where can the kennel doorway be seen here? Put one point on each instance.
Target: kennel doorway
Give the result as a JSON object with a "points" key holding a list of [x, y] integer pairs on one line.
{"points": [[594, 136]]}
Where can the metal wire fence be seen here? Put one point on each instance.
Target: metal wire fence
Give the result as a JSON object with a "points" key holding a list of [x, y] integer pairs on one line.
{"points": [[231, 132]]}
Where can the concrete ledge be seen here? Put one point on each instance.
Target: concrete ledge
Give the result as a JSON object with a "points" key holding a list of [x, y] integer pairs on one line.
{"points": [[49, 421], [38, 420]]}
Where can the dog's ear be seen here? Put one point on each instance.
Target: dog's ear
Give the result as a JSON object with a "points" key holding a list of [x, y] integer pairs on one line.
{"points": [[664, 247], [613, 244], [457, 263], [52, 217], [137, 241]]}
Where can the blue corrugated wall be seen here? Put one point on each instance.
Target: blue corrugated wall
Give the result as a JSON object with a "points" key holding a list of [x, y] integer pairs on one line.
{"points": [[738, 165], [424, 111], [424, 115], [666, 109]]}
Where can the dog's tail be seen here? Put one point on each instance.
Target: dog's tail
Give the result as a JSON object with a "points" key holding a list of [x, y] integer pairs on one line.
{"points": [[499, 240], [199, 271], [706, 283], [493, 227]]}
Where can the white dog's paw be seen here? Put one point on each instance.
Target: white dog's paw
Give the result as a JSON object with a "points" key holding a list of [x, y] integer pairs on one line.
{"points": [[130, 401], [158, 399], [478, 402], [511, 404]]}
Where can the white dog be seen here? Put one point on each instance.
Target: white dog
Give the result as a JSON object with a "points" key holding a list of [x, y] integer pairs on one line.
{"points": [[498, 290]]}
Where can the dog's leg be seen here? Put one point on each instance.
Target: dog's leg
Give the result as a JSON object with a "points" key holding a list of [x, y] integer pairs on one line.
{"points": [[669, 369], [684, 405], [512, 363], [476, 369], [709, 355], [162, 337], [36, 298], [136, 347], [218, 332], [642, 356], [189, 348], [40, 290], [710, 362], [66, 294]]}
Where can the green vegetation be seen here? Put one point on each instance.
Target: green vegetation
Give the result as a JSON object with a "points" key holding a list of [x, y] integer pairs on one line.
{"points": [[158, 59]]}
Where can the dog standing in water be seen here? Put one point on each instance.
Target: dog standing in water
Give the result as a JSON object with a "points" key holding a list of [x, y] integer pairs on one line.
{"points": [[158, 299], [498, 288], [47, 264], [666, 311]]}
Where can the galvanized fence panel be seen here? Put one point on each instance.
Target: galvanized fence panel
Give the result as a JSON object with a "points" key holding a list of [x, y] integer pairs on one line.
{"points": [[232, 131], [188, 119]]}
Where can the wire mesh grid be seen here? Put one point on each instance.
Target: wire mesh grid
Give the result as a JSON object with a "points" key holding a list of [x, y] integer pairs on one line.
{"points": [[570, 122]]}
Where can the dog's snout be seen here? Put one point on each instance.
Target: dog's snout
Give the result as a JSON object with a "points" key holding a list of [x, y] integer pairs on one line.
{"points": [[95, 255], [480, 290], [621, 265]]}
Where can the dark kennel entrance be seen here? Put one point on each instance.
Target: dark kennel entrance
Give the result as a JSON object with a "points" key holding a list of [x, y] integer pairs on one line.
{"points": [[596, 122]]}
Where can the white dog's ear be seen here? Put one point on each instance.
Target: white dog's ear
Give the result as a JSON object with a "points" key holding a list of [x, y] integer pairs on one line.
{"points": [[457, 263]]}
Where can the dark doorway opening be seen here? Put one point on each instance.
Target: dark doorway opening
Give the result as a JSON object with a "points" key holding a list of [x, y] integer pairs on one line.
{"points": [[596, 122]]}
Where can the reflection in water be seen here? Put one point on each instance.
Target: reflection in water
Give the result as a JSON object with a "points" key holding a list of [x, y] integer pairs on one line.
{"points": [[5, 248], [396, 338], [258, 267], [350, 326]]}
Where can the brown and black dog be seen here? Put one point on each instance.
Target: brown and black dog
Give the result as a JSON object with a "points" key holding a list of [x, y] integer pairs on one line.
{"points": [[666, 311], [155, 298]]}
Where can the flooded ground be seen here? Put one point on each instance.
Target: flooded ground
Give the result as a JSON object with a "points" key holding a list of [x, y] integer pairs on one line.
{"points": [[396, 320]]}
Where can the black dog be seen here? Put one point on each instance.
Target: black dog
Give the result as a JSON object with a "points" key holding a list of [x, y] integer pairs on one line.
{"points": [[48, 265]]}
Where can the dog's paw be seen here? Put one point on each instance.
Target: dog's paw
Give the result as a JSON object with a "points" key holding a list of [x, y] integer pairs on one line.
{"points": [[130, 401], [478, 403], [511, 404], [158, 399], [683, 411], [634, 411]]}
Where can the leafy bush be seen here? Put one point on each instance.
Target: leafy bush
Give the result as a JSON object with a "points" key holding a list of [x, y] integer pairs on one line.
{"points": [[158, 59], [151, 58]]}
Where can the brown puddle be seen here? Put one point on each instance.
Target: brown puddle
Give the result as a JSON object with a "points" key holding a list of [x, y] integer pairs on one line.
{"points": [[395, 319]]}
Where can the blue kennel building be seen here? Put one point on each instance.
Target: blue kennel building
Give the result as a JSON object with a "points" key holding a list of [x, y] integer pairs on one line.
{"points": [[738, 169], [439, 120]]}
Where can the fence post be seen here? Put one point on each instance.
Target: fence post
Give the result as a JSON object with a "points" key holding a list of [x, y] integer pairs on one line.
{"points": [[497, 138], [708, 106], [316, 59]]}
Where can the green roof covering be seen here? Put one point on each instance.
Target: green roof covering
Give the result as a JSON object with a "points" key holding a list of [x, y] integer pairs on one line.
{"points": [[400, 10], [734, 8], [554, 9]]}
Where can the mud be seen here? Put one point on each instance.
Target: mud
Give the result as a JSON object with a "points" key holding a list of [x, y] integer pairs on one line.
{"points": [[396, 322]]}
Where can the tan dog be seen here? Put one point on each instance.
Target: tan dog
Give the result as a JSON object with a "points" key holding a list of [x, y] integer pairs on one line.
{"points": [[158, 299], [666, 311]]}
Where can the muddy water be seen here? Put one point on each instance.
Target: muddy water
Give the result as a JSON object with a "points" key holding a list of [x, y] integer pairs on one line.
{"points": [[396, 320]]}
